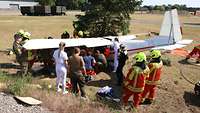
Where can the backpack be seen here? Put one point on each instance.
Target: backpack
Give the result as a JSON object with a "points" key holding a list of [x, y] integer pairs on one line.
{"points": [[197, 88]]}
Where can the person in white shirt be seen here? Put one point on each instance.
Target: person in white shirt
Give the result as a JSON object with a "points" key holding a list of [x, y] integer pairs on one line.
{"points": [[116, 45], [60, 57]]}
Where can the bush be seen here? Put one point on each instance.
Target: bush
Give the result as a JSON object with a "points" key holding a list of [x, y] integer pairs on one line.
{"points": [[18, 86]]}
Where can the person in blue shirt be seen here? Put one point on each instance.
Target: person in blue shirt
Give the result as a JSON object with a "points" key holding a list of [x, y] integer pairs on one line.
{"points": [[89, 63]]}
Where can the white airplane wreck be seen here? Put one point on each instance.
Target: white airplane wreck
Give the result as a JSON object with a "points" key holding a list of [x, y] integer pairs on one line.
{"points": [[169, 38]]}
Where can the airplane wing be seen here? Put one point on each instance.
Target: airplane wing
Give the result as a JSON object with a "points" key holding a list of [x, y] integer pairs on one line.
{"points": [[121, 38], [184, 42], [169, 47], [54, 43]]}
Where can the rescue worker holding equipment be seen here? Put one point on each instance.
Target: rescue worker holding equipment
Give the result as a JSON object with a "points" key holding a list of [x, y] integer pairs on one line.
{"points": [[135, 80], [30, 53], [152, 81], [24, 57], [20, 54]]}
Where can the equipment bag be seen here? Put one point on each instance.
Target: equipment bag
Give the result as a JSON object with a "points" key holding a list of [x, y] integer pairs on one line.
{"points": [[197, 89]]}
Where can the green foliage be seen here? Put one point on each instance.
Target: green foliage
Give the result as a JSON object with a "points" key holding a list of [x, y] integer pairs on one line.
{"points": [[161, 8], [71, 4], [47, 2], [166, 61], [17, 86], [166, 7], [106, 17], [4, 76]]}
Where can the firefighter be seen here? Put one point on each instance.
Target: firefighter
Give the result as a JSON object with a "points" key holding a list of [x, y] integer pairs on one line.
{"points": [[25, 37], [65, 35], [21, 32], [123, 56], [152, 81], [195, 51], [80, 34], [135, 80], [19, 52], [29, 53]]}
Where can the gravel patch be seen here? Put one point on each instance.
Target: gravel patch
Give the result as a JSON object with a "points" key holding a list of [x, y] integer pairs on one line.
{"points": [[9, 105]]}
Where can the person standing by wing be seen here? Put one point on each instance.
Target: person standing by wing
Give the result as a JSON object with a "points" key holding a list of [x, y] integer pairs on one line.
{"points": [[123, 56], [116, 49], [76, 67], [61, 58]]}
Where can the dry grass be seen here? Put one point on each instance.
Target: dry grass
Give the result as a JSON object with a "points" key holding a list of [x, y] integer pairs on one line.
{"points": [[66, 104], [39, 27], [44, 26], [171, 93]]}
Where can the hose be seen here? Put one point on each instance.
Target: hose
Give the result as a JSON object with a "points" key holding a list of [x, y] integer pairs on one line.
{"points": [[191, 82]]}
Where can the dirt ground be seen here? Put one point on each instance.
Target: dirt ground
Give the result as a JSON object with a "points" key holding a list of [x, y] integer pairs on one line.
{"points": [[175, 93]]}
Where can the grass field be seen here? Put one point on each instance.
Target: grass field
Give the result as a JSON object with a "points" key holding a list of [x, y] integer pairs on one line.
{"points": [[41, 27], [174, 93]]}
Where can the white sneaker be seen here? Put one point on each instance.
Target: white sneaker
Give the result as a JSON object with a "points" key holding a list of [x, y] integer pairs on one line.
{"points": [[84, 98], [113, 71], [59, 90], [65, 92]]}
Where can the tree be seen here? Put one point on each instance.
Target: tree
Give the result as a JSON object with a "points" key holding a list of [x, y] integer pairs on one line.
{"points": [[160, 8], [46, 2], [106, 17], [71, 4]]}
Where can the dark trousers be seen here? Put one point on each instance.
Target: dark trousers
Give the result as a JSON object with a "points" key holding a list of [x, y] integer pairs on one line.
{"points": [[120, 75], [77, 80]]}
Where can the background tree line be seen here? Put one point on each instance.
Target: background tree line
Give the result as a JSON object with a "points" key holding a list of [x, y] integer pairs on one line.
{"points": [[70, 4], [167, 7]]}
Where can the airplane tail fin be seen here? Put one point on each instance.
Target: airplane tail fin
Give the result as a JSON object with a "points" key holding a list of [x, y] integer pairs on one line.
{"points": [[171, 27]]}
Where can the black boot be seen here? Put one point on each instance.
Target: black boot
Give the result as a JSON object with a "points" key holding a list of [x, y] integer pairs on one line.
{"points": [[147, 101]]}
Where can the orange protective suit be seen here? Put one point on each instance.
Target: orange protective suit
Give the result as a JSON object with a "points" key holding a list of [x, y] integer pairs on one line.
{"points": [[134, 84], [152, 80]]}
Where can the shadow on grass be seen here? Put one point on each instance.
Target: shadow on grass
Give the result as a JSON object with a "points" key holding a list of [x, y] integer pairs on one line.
{"points": [[187, 62], [9, 66], [110, 82], [44, 73], [117, 91], [191, 99]]}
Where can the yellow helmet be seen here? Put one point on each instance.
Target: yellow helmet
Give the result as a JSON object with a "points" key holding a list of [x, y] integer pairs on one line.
{"points": [[155, 53], [21, 32], [65, 31], [27, 35], [80, 33], [140, 57]]}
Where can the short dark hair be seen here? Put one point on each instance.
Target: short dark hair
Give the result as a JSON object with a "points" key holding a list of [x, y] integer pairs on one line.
{"points": [[76, 50], [116, 39], [62, 44]]}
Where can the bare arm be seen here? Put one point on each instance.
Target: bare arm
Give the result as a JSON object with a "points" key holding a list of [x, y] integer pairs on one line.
{"points": [[82, 64]]}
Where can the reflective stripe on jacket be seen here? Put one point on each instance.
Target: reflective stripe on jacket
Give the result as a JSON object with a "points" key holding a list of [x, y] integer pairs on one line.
{"points": [[155, 72], [135, 79]]}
